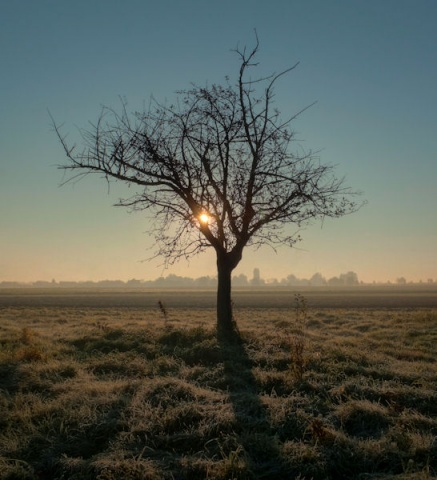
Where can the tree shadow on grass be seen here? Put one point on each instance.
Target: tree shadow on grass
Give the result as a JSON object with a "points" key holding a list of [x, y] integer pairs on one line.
{"points": [[255, 434]]}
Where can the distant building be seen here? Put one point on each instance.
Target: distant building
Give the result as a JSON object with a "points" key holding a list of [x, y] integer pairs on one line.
{"points": [[256, 280]]}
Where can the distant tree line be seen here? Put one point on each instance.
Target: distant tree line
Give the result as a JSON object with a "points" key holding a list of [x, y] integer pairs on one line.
{"points": [[347, 279], [174, 281]]}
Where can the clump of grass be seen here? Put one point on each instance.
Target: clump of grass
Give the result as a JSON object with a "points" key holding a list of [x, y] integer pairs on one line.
{"points": [[234, 464], [135, 468], [363, 419], [27, 336], [30, 353], [29, 348], [319, 431]]}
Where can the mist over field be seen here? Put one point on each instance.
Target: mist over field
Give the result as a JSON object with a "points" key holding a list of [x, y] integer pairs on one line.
{"points": [[348, 279]]}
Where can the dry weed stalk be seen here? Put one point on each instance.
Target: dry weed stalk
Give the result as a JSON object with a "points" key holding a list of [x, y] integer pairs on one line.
{"points": [[298, 339], [163, 310], [103, 326]]}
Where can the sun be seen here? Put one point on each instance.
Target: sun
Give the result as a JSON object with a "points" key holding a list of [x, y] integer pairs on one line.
{"points": [[204, 218]]}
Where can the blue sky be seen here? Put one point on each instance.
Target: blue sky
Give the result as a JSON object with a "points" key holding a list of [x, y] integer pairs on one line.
{"points": [[370, 65]]}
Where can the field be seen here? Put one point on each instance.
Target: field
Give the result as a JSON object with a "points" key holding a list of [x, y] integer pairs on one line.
{"points": [[325, 385]]}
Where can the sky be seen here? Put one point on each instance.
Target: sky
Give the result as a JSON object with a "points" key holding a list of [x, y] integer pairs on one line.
{"points": [[371, 66]]}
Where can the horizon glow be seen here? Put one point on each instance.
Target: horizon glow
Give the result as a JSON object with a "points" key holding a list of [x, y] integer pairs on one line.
{"points": [[374, 119]]}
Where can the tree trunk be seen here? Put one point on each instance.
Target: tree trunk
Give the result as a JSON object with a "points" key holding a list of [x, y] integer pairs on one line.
{"points": [[224, 301], [226, 262]]}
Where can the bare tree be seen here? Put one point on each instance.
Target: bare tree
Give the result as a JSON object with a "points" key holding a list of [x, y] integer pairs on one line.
{"points": [[216, 169]]}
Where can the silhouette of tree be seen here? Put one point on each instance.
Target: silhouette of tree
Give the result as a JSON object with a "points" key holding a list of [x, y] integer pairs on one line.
{"points": [[317, 280], [216, 169]]}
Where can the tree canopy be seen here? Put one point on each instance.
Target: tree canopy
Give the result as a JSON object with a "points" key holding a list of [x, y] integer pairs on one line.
{"points": [[217, 169]]}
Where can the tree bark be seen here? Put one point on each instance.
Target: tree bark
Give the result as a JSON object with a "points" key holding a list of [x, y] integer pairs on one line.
{"points": [[226, 262], [224, 301]]}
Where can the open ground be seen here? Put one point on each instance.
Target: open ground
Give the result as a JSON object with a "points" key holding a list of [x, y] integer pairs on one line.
{"points": [[324, 385]]}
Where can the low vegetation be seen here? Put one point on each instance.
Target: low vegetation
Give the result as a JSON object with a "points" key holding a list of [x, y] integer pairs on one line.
{"points": [[128, 393]]}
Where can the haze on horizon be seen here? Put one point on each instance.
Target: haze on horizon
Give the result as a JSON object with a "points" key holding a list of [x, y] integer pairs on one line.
{"points": [[371, 66]]}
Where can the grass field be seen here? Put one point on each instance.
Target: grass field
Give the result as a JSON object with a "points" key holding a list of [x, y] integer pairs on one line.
{"points": [[94, 392]]}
